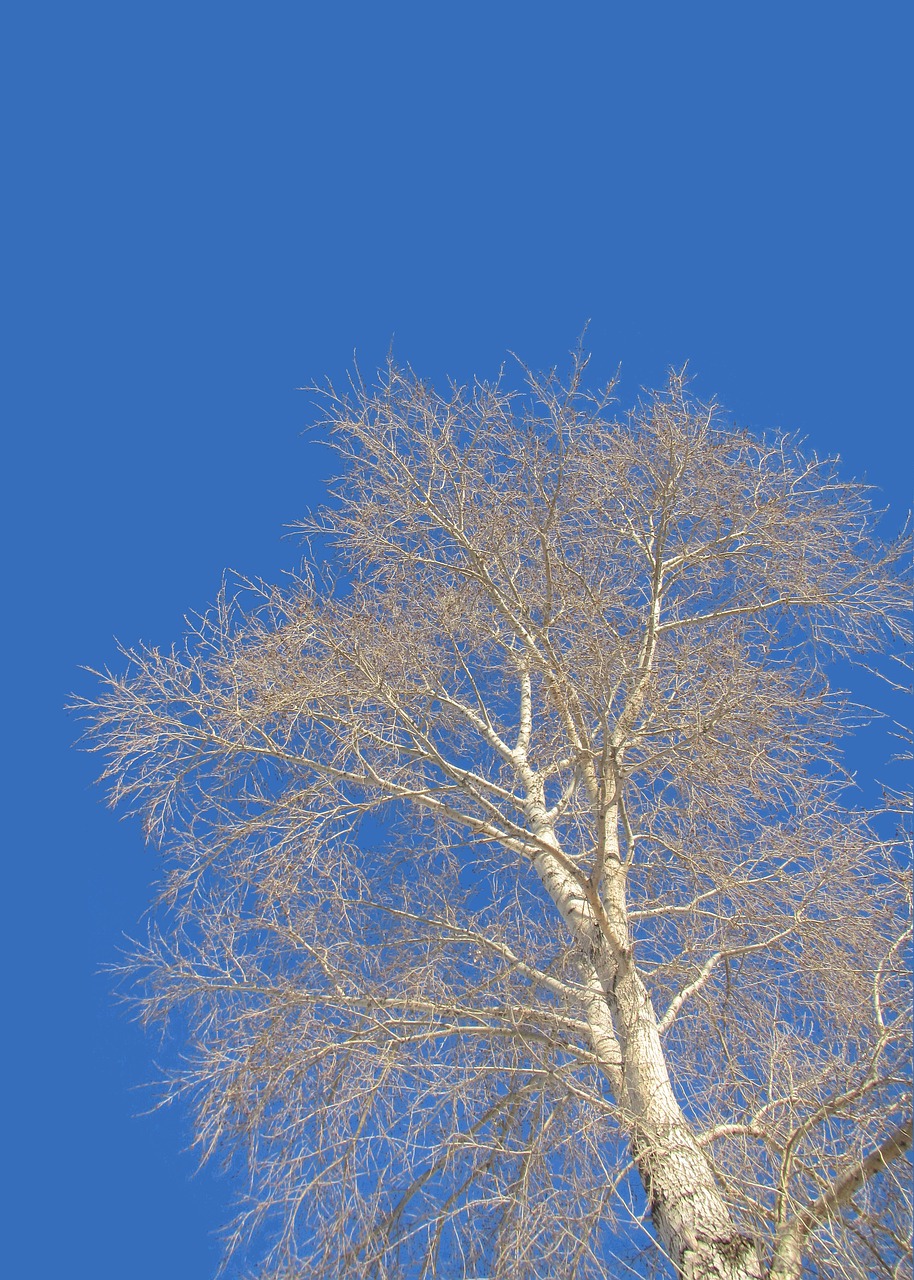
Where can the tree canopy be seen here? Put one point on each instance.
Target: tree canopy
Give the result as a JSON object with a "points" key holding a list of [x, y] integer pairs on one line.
{"points": [[520, 919]]}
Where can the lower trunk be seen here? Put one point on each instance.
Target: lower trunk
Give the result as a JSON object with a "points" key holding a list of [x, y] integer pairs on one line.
{"points": [[689, 1213], [691, 1217]]}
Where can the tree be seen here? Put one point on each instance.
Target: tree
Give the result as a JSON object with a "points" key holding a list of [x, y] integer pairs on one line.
{"points": [[519, 915]]}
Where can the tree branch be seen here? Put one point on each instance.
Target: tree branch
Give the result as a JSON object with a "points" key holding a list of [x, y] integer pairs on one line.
{"points": [[788, 1254]]}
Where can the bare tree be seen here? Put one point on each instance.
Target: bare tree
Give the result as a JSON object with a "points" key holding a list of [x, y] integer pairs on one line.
{"points": [[517, 916]]}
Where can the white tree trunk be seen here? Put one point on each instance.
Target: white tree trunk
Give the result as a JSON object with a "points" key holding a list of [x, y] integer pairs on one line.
{"points": [[689, 1213]]}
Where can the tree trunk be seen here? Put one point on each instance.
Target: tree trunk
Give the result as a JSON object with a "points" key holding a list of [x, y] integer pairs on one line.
{"points": [[689, 1213]]}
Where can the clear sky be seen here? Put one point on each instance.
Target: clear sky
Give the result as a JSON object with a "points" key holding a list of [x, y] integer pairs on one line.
{"points": [[211, 204]]}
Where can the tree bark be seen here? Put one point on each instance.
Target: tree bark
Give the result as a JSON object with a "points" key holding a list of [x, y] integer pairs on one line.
{"points": [[689, 1213]]}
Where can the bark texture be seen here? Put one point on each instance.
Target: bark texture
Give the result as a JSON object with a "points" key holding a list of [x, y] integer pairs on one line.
{"points": [[693, 1221]]}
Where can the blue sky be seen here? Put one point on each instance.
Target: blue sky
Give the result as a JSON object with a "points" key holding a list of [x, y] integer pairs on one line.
{"points": [[210, 205]]}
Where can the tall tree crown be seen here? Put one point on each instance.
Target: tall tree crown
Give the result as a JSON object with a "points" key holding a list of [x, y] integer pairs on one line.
{"points": [[516, 906]]}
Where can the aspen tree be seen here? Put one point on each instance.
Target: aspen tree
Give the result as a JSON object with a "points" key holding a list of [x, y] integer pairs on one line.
{"points": [[519, 917]]}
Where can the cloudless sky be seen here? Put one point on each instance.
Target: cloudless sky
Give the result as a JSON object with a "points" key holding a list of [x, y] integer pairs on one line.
{"points": [[209, 205]]}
